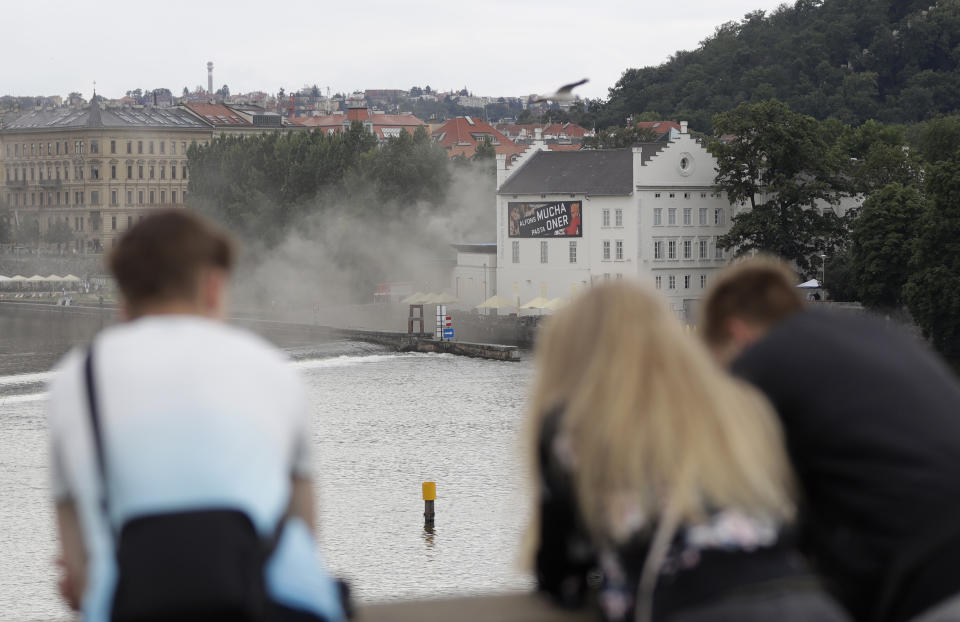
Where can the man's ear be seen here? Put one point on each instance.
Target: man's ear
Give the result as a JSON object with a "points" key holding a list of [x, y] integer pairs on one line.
{"points": [[743, 333], [214, 292]]}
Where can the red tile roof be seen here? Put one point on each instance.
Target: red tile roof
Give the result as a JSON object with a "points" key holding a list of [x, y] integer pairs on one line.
{"points": [[572, 130], [217, 114], [380, 122], [660, 127], [458, 137], [556, 147]]}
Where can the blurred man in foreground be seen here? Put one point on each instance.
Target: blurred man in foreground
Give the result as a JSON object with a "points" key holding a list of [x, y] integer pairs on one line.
{"points": [[872, 421], [181, 463]]}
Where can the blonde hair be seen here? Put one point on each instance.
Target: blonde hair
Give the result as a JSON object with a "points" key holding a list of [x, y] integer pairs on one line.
{"points": [[648, 414]]}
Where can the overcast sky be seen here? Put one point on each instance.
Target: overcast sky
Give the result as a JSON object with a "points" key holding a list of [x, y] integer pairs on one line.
{"points": [[496, 47]]}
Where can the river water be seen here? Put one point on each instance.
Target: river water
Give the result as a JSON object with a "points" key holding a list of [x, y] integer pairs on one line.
{"points": [[382, 423]]}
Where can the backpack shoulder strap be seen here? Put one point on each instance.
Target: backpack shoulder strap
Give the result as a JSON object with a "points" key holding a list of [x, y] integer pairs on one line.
{"points": [[94, 412]]}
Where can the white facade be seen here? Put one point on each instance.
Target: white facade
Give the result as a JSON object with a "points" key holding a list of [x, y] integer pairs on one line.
{"points": [[475, 275], [664, 232]]}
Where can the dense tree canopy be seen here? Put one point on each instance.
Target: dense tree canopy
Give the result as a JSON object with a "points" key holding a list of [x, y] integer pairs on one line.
{"points": [[853, 60], [781, 166]]}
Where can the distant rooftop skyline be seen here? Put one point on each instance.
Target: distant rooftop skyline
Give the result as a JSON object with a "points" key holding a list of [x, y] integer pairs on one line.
{"points": [[506, 49]]}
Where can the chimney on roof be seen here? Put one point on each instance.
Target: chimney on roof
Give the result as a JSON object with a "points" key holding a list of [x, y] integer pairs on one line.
{"points": [[210, 77], [683, 127], [538, 134]]}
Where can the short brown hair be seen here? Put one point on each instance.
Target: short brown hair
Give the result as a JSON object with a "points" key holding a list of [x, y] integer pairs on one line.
{"points": [[762, 290], [161, 257]]}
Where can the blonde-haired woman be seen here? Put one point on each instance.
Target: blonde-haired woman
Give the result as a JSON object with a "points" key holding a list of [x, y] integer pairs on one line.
{"points": [[664, 482]]}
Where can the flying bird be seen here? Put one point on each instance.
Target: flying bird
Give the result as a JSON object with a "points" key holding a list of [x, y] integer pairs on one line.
{"points": [[563, 94]]}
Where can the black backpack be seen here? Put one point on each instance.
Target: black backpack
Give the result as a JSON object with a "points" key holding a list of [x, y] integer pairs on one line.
{"points": [[191, 565]]}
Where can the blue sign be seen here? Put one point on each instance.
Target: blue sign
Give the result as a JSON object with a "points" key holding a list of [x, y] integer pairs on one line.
{"points": [[448, 333]]}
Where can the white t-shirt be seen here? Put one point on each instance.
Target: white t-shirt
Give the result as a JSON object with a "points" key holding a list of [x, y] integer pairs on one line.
{"points": [[194, 414]]}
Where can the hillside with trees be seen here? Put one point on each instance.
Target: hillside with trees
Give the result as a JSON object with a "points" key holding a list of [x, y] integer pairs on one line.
{"points": [[897, 61]]}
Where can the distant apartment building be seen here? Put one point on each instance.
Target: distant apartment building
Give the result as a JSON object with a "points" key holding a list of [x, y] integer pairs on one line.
{"points": [[98, 171], [568, 220], [239, 119]]}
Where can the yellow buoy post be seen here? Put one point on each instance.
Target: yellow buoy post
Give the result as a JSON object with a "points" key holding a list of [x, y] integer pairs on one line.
{"points": [[429, 496]]}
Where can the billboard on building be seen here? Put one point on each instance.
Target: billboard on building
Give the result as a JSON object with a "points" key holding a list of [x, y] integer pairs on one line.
{"points": [[545, 220]]}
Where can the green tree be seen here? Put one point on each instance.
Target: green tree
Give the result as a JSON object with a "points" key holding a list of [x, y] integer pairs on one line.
{"points": [[933, 291], [484, 151], [882, 242], [780, 165]]}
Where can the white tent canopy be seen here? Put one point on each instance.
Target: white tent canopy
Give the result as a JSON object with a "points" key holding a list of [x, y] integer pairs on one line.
{"points": [[18, 277], [496, 302], [36, 278], [811, 284], [4, 279], [413, 299], [445, 299], [53, 278], [554, 304], [537, 303], [71, 278]]}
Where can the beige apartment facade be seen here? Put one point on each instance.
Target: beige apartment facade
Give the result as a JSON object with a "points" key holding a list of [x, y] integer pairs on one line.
{"points": [[77, 179]]}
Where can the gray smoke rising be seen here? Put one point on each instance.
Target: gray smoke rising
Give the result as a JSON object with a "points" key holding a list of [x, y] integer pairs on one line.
{"points": [[325, 269]]}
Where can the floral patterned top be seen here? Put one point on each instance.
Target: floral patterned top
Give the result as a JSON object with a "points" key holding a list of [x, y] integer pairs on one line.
{"points": [[727, 553]]}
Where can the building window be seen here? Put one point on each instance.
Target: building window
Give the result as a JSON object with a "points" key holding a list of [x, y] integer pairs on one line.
{"points": [[672, 249], [153, 195], [113, 146], [703, 215], [671, 282], [718, 251], [686, 195], [94, 172], [687, 249], [658, 216], [129, 197], [173, 172], [672, 216], [163, 147], [573, 252], [619, 250], [140, 198], [113, 171], [516, 251], [656, 195], [129, 171], [163, 171], [163, 195], [658, 281], [543, 251], [618, 218], [183, 147], [703, 281], [606, 218], [184, 171], [151, 170], [606, 250], [686, 281], [113, 223], [129, 146], [140, 171], [173, 147], [703, 249], [150, 145], [173, 198], [687, 219], [113, 197], [718, 216], [49, 148], [139, 146], [94, 146], [658, 250], [94, 197], [672, 195]]}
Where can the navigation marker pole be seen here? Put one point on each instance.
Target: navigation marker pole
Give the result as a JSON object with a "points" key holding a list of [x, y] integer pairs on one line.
{"points": [[429, 495]]}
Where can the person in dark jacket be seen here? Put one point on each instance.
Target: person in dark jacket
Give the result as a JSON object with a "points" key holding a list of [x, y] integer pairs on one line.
{"points": [[872, 422], [665, 488]]}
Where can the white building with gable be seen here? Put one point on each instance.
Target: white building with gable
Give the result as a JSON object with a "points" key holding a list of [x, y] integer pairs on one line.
{"points": [[569, 219]]}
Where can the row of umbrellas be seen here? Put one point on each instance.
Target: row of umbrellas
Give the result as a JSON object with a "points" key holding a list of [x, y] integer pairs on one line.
{"points": [[539, 303], [431, 298], [36, 278]]}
